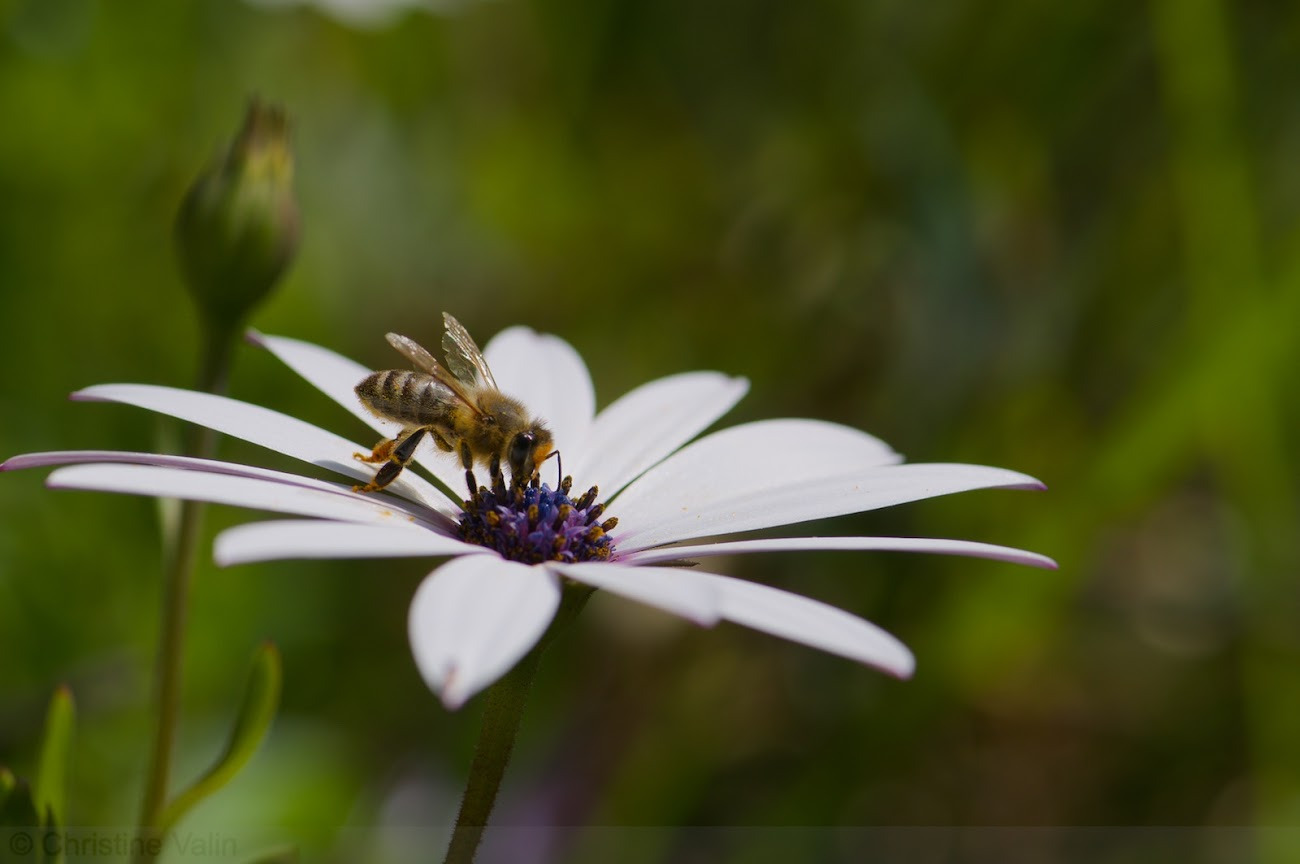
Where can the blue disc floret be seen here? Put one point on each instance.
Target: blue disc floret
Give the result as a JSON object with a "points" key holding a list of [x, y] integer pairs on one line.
{"points": [[532, 524]]}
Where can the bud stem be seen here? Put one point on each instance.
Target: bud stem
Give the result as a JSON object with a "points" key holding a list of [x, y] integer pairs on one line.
{"points": [[214, 372], [236, 233]]}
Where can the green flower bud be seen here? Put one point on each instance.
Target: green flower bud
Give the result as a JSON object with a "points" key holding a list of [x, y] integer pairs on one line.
{"points": [[237, 229]]}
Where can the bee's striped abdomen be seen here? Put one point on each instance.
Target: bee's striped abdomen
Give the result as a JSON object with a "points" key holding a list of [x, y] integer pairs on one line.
{"points": [[412, 398]]}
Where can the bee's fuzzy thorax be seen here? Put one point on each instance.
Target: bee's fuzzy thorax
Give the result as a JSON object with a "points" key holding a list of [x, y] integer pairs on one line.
{"points": [[534, 524]]}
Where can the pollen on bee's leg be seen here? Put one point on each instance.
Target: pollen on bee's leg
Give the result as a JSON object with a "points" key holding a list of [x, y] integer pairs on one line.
{"points": [[381, 452], [385, 475]]}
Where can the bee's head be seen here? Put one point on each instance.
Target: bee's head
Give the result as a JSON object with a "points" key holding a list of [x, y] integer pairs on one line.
{"points": [[527, 450]]}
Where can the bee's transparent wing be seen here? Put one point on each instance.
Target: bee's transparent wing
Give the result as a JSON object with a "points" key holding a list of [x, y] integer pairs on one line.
{"points": [[463, 356], [423, 360], [416, 353]]}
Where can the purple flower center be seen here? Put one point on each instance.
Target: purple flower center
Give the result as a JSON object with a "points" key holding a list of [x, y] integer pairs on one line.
{"points": [[536, 524]]}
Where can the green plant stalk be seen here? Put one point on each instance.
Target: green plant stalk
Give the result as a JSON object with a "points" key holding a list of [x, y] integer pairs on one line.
{"points": [[496, 741], [51, 787], [252, 722], [218, 345]]}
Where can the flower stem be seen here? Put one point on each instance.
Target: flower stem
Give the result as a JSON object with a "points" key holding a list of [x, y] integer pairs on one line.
{"points": [[501, 719], [182, 556], [176, 589]]}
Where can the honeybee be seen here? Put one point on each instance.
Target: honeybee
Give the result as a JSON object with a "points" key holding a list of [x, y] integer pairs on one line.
{"points": [[462, 410]]}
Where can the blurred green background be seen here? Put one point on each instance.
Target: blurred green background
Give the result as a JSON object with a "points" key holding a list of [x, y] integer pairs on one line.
{"points": [[1060, 238]]}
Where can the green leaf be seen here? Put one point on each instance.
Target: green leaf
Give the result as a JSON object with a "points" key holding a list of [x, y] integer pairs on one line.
{"points": [[52, 841], [19, 808], [50, 790], [261, 698]]}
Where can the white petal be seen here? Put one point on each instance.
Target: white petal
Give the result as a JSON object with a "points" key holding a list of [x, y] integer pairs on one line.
{"points": [[293, 538], [327, 371], [744, 461], [705, 505], [846, 544], [645, 425], [336, 376], [473, 618], [267, 428], [415, 512], [672, 589], [548, 376], [811, 622], [760, 455], [292, 496]]}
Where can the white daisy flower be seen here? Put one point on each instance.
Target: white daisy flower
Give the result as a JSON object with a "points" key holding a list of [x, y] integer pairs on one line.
{"points": [[478, 613]]}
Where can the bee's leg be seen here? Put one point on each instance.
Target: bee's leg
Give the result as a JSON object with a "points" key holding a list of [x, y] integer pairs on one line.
{"points": [[498, 479], [383, 450], [443, 444], [399, 453], [467, 459]]}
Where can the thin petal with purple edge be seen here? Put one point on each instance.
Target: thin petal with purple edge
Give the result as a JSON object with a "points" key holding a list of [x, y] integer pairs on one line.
{"points": [[645, 425], [429, 518], [810, 622], [336, 376], [548, 376], [845, 544], [473, 618], [264, 427], [713, 508], [279, 539], [333, 502], [51, 458], [672, 589]]}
